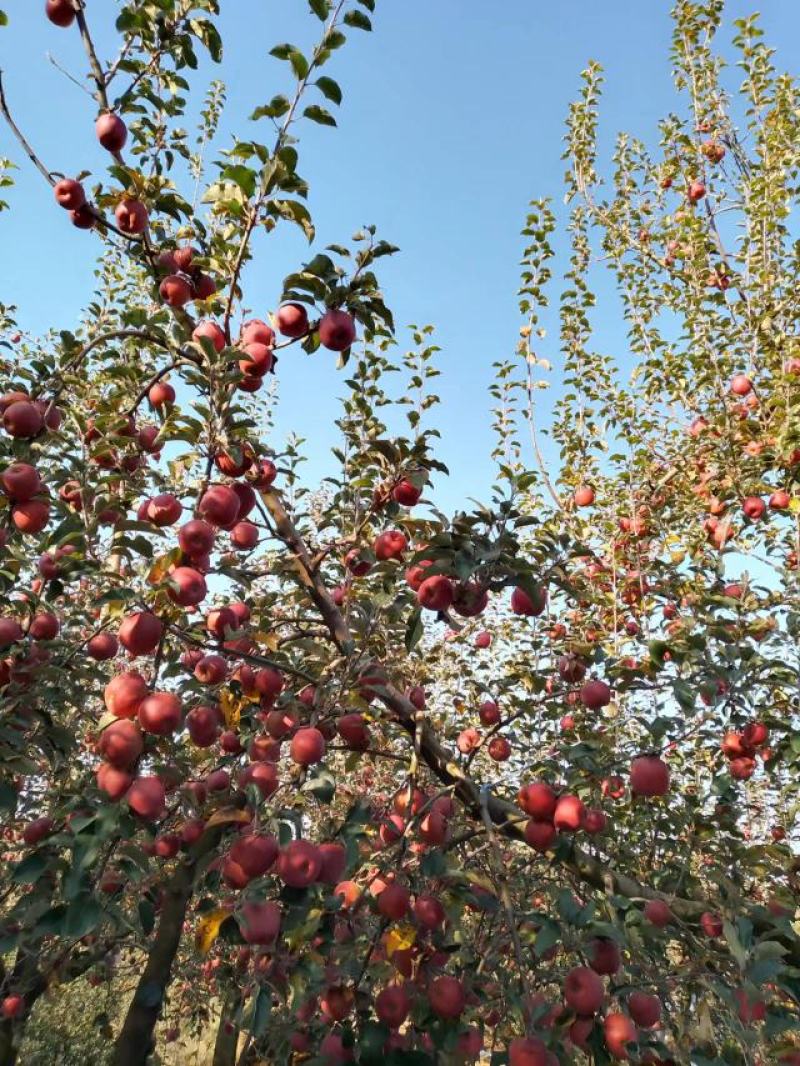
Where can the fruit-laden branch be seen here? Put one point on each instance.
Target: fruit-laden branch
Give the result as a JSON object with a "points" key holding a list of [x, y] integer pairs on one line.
{"points": [[506, 816], [135, 1041]]}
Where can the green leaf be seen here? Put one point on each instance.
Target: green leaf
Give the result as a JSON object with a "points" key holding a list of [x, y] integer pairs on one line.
{"points": [[242, 176], [3, 18], [29, 870], [735, 945], [358, 20], [293, 54], [321, 8], [277, 106], [320, 115], [368, 4], [329, 89], [414, 629], [335, 39], [207, 32], [83, 916], [321, 784]]}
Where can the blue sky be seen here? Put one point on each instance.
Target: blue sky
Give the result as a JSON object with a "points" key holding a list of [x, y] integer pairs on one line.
{"points": [[452, 120]]}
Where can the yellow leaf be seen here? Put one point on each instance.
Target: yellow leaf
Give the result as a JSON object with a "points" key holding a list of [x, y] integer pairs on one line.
{"points": [[161, 566], [401, 938], [208, 929], [231, 708], [228, 815], [267, 640]]}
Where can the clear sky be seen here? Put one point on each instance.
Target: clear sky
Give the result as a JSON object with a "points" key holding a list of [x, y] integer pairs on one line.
{"points": [[452, 120]]}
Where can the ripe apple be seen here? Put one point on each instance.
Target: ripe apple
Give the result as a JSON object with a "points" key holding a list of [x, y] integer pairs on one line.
{"points": [[337, 330], [112, 133]]}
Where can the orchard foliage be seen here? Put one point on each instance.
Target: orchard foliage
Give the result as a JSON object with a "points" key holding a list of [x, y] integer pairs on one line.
{"points": [[319, 773]]}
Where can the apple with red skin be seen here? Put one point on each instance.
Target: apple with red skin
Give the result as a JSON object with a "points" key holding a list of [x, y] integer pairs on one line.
{"points": [[337, 330], [649, 776], [257, 332], [11, 632], [780, 500], [131, 216], [102, 646], [121, 743], [112, 133], [406, 493], [569, 813], [353, 730], [334, 861], [265, 474], [754, 508], [69, 194], [528, 604], [527, 1051], [741, 385], [538, 800], [211, 669], [696, 191], [483, 639], [261, 922], [307, 746], [292, 320], [595, 694], [160, 713], [146, 797], [12, 1007], [219, 505], [257, 360], [203, 725], [470, 599], [489, 713], [392, 1005], [499, 749], [187, 586], [162, 394], [657, 912], [113, 780], [124, 693], [644, 1009], [447, 997], [390, 545], [435, 593], [584, 496], [60, 12], [196, 538], [604, 956], [540, 835], [619, 1031], [711, 924], [394, 901], [299, 864], [583, 990], [429, 912], [163, 510], [37, 831], [211, 332], [23, 419], [255, 853], [140, 633], [21, 482]]}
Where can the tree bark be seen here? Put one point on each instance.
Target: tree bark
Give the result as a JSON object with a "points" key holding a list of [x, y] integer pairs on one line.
{"points": [[227, 1036], [8, 1044]]}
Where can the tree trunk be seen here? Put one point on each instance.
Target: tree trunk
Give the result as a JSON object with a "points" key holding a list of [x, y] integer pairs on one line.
{"points": [[227, 1032], [8, 1045], [135, 1041]]}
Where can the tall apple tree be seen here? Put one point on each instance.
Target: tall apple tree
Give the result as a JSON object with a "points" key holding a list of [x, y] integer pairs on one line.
{"points": [[318, 772]]}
